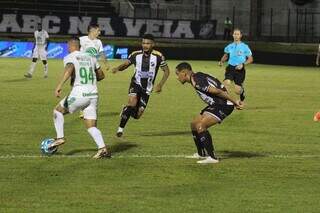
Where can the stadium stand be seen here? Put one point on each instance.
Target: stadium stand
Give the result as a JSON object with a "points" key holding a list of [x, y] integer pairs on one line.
{"points": [[69, 7]]}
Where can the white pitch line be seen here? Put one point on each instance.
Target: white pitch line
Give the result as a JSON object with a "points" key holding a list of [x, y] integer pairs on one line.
{"points": [[25, 156]]}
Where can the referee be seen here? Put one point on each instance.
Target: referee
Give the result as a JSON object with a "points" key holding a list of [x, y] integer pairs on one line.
{"points": [[238, 55]]}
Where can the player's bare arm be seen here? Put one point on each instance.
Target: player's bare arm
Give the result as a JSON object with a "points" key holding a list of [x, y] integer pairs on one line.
{"points": [[165, 76], [223, 59], [225, 95], [122, 66], [104, 61], [99, 74], [68, 70]]}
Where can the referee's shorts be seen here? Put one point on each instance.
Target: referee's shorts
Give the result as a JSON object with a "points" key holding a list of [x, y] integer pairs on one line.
{"points": [[237, 76]]}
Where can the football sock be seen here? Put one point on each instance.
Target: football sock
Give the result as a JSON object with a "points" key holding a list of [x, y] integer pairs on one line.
{"points": [[200, 148], [242, 96], [135, 113], [58, 121], [32, 66], [125, 115], [97, 136], [206, 140]]}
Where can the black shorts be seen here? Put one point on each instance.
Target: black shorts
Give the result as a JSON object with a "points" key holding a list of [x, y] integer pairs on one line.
{"points": [[142, 96], [237, 76], [218, 111]]}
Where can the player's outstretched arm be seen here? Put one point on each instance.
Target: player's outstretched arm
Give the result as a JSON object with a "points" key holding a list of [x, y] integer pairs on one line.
{"points": [[225, 95], [68, 70], [99, 74], [165, 76], [121, 67]]}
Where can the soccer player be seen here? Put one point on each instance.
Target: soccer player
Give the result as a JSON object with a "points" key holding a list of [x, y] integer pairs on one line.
{"points": [[318, 57], [92, 45], [220, 105], [227, 29], [84, 95], [147, 62], [39, 51], [238, 55]]}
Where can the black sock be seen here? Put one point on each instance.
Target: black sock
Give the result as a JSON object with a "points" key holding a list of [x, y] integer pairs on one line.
{"points": [[242, 96], [206, 140], [135, 113], [125, 115], [199, 146]]}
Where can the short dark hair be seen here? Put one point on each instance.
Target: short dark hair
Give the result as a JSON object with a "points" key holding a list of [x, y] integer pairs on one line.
{"points": [[92, 26], [183, 65], [75, 40], [148, 36]]}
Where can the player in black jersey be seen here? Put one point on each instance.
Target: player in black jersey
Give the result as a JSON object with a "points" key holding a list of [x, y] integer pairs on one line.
{"points": [[220, 105], [147, 62]]}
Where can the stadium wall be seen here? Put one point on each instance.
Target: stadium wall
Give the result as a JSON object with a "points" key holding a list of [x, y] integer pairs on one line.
{"points": [[260, 57]]}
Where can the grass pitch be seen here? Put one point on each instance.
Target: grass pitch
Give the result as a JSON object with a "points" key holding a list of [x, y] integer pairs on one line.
{"points": [[269, 151]]}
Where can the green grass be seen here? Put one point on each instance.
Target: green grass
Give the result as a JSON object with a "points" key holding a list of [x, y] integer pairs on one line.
{"points": [[270, 150]]}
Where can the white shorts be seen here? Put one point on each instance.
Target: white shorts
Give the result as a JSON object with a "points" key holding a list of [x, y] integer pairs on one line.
{"points": [[87, 105], [39, 52]]}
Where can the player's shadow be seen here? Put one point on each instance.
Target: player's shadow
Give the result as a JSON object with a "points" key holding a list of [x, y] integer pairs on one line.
{"points": [[119, 147], [166, 133], [16, 80], [109, 114], [122, 146], [75, 151], [261, 107], [225, 154]]}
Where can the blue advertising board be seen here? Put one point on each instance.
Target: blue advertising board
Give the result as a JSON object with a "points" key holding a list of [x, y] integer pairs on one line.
{"points": [[55, 50]]}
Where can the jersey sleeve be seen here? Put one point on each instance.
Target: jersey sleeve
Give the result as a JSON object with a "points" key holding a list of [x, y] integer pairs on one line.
{"points": [[227, 49], [247, 51], [100, 47], [132, 58], [201, 83], [67, 60], [96, 64]]}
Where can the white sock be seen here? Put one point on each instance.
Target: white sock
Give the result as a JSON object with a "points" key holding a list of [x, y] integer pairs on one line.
{"points": [[32, 66], [46, 69], [58, 121], [97, 136], [120, 129]]}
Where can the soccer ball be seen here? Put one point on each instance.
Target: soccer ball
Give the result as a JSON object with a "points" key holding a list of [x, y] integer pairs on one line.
{"points": [[45, 146]]}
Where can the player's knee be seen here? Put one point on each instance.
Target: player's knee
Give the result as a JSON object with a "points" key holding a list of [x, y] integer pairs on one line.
{"points": [[132, 101], [227, 82], [200, 127]]}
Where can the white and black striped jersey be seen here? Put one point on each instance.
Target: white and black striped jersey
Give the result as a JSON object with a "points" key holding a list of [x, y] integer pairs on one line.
{"points": [[202, 82], [146, 68]]}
